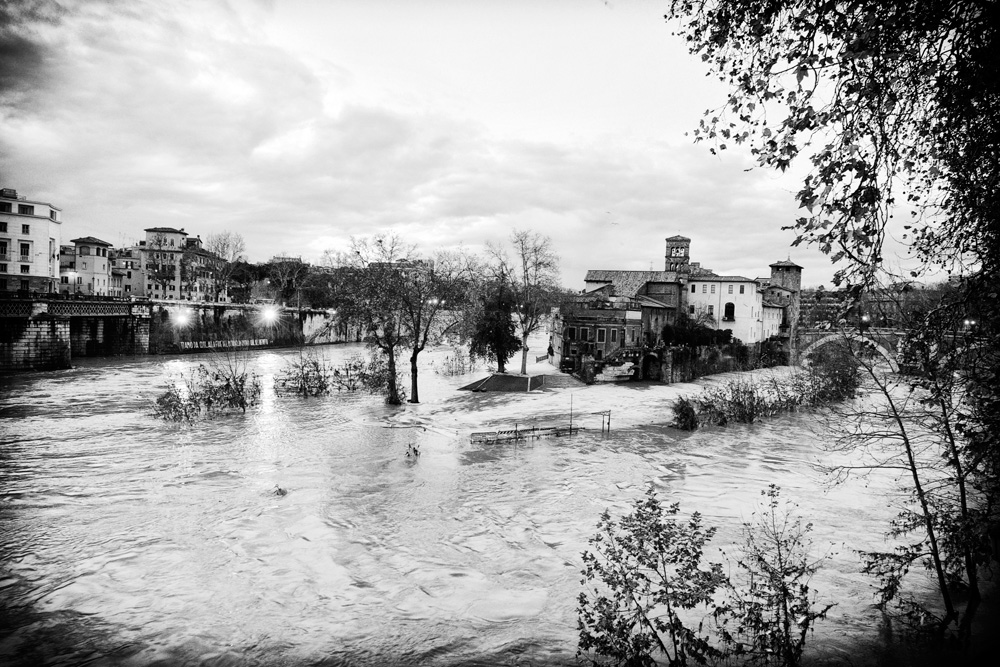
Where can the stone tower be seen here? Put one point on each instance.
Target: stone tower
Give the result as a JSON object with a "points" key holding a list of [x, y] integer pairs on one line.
{"points": [[788, 274], [678, 257]]}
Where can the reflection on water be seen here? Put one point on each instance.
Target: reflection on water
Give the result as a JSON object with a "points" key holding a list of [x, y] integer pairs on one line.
{"points": [[127, 541]]}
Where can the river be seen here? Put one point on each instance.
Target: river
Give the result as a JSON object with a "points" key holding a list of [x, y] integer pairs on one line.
{"points": [[125, 540]]}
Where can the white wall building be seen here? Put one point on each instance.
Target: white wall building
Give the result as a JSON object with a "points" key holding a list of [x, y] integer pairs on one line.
{"points": [[84, 267], [30, 236], [735, 303]]}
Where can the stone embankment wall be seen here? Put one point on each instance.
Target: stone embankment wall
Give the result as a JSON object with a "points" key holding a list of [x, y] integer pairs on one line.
{"points": [[179, 326], [34, 344]]}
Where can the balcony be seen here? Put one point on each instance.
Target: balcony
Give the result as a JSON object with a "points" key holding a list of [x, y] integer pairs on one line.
{"points": [[25, 259], [4, 257]]}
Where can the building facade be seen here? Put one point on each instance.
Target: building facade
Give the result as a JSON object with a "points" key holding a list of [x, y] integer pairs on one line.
{"points": [[85, 267], [30, 237]]}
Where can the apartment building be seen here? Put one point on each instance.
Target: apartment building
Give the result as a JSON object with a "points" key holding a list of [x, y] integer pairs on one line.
{"points": [[30, 237], [85, 267]]}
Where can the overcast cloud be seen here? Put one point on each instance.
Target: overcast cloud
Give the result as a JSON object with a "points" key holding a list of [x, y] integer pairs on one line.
{"points": [[300, 124]]}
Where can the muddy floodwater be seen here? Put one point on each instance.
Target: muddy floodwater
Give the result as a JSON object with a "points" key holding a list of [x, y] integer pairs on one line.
{"points": [[126, 540]]}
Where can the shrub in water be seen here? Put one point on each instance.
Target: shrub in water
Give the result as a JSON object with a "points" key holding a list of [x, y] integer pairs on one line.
{"points": [[685, 414], [306, 376], [208, 391]]}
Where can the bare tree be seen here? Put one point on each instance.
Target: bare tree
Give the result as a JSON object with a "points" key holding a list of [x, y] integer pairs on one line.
{"points": [[372, 298], [532, 274], [288, 274], [231, 249], [432, 294]]}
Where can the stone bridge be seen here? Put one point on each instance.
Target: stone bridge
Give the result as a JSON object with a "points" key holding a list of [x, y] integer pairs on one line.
{"points": [[883, 341], [45, 331]]}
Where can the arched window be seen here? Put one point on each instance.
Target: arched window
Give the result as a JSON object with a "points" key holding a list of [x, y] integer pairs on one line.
{"points": [[729, 314]]}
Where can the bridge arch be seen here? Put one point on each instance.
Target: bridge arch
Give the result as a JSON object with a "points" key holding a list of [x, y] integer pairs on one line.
{"points": [[855, 337]]}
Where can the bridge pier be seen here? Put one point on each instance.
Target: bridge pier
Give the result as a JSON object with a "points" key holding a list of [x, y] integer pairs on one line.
{"points": [[41, 342]]}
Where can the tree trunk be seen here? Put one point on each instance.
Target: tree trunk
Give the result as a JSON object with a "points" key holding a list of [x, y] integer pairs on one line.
{"points": [[524, 354], [414, 396], [393, 397]]}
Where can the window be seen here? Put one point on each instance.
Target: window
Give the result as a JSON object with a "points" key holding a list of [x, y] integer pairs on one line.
{"points": [[79, 280], [25, 268], [84, 264], [711, 310], [3, 268], [3, 284], [64, 280], [25, 285], [128, 274], [25, 252], [84, 250], [741, 288], [3, 225], [704, 289], [730, 289], [5, 208], [601, 335], [25, 209], [614, 335], [693, 288], [52, 214], [729, 314], [128, 288], [713, 289], [25, 229], [691, 310], [571, 333]]}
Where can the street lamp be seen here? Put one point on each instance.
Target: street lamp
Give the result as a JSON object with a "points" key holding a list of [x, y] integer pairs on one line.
{"points": [[183, 318]]}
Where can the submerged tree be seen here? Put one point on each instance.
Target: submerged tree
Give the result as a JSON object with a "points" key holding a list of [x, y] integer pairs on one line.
{"points": [[432, 293], [372, 298], [492, 329]]}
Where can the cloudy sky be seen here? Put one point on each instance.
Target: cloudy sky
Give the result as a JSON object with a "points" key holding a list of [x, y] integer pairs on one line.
{"points": [[299, 123]]}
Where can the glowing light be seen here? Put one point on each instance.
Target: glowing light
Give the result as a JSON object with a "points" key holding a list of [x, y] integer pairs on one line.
{"points": [[183, 318], [269, 315]]}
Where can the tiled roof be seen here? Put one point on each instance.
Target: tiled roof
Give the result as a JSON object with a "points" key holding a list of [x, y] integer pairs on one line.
{"points": [[677, 238], [628, 283], [166, 230], [786, 262], [91, 240]]}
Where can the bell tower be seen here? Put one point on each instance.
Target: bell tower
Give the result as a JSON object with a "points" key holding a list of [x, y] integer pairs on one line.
{"points": [[678, 257]]}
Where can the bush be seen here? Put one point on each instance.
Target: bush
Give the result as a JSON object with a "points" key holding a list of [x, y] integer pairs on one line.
{"points": [[771, 608], [208, 391], [685, 414]]}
